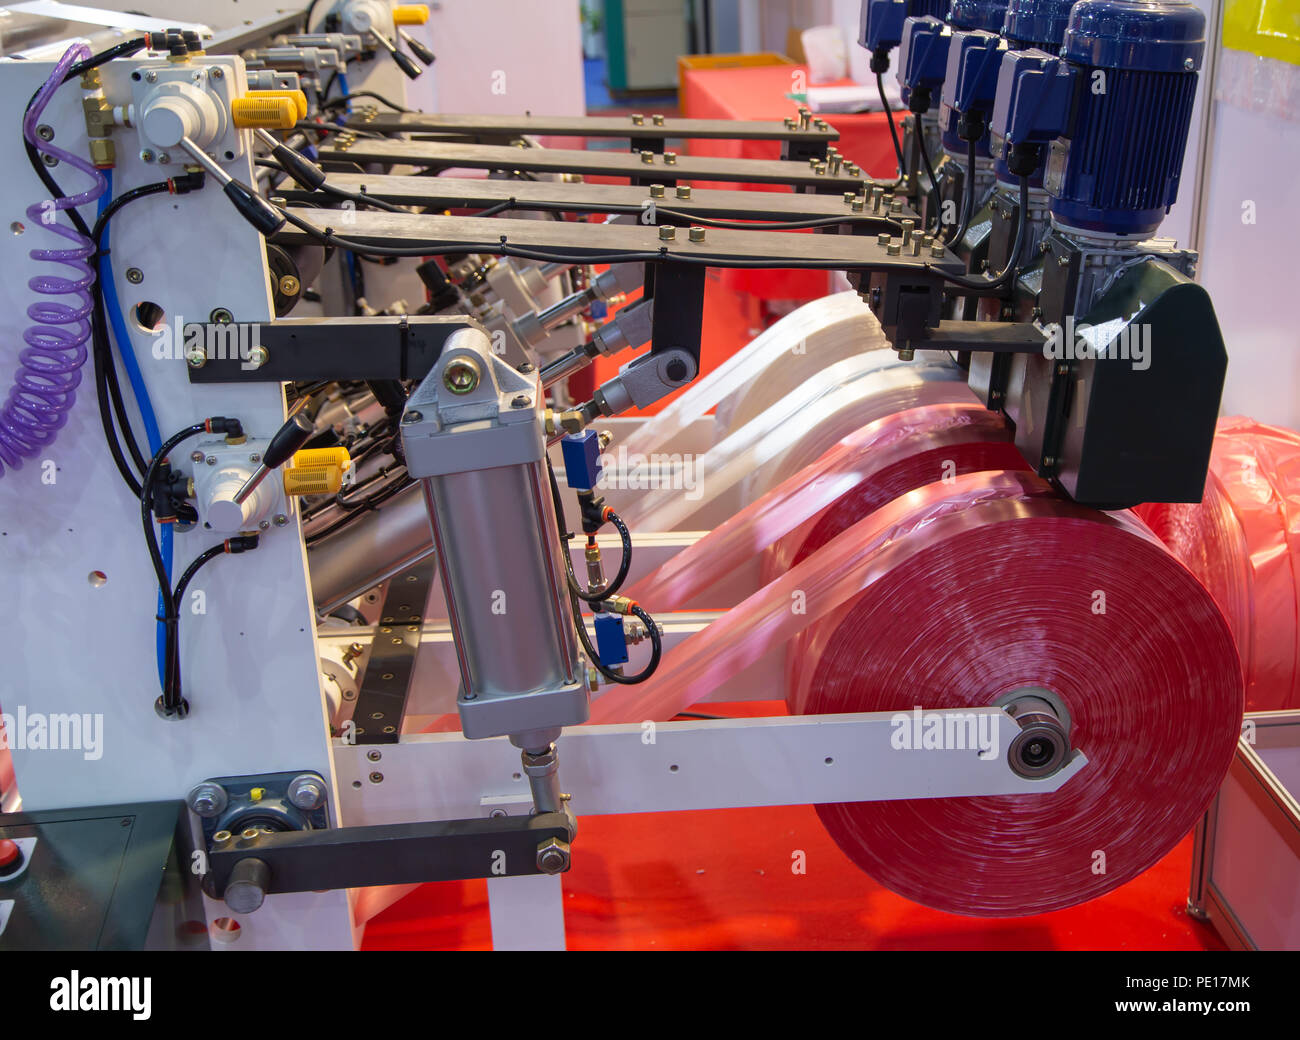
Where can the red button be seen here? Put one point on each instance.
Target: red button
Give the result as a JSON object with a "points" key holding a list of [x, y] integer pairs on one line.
{"points": [[9, 853]]}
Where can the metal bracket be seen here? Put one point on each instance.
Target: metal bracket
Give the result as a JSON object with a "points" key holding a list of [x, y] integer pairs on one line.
{"points": [[381, 700]]}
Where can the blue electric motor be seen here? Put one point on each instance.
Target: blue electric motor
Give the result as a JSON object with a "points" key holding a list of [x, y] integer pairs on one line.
{"points": [[1115, 108], [923, 57]]}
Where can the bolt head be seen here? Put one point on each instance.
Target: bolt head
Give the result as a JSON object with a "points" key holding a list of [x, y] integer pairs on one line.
{"points": [[208, 800], [196, 456], [461, 376], [411, 418], [258, 356], [134, 275], [521, 401], [306, 792], [697, 234], [683, 191], [667, 233], [264, 525], [196, 358], [280, 519], [553, 856]]}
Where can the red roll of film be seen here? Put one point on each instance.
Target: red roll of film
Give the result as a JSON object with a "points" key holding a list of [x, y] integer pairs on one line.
{"points": [[995, 603], [1243, 542]]}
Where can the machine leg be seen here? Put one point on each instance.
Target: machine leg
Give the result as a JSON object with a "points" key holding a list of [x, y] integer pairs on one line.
{"points": [[527, 912]]}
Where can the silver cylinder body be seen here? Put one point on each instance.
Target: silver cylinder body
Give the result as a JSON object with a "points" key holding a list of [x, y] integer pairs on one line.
{"points": [[474, 434]]}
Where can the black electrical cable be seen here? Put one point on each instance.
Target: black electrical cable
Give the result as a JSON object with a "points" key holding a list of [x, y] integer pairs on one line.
{"points": [[968, 204], [339, 102], [334, 128], [108, 390], [893, 130], [501, 247], [656, 645], [213, 551], [306, 18], [995, 283], [625, 564], [171, 699], [934, 183]]}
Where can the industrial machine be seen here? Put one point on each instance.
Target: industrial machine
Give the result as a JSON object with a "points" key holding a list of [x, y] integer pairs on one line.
{"points": [[351, 344]]}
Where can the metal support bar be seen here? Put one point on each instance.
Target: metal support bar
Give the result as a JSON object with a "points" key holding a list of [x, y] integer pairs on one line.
{"points": [[390, 854], [306, 349], [657, 129], [646, 168]]}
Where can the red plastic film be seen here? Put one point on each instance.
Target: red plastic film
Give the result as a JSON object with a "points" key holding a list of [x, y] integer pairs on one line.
{"points": [[1243, 542], [1026, 592], [863, 471]]}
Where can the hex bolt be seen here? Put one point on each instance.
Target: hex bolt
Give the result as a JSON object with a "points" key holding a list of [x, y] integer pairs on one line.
{"points": [[461, 376], [667, 232], [208, 800], [306, 792], [553, 856], [696, 233]]}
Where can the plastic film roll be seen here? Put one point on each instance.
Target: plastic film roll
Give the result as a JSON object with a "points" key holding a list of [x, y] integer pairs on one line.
{"points": [[805, 341], [794, 600], [1243, 542], [860, 473], [1029, 592], [795, 431]]}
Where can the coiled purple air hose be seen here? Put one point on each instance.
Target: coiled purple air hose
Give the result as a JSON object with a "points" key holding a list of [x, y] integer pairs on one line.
{"points": [[49, 369]]}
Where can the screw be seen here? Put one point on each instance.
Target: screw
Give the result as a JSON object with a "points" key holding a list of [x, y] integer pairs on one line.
{"points": [[411, 418], [146, 155], [1189, 64], [211, 460], [461, 375], [289, 285], [255, 458], [221, 837], [376, 778], [521, 401], [50, 160], [306, 792], [667, 232], [151, 76], [164, 157], [258, 356], [196, 456], [220, 316], [45, 132], [134, 275], [216, 73], [280, 519], [374, 756], [208, 800], [264, 525], [683, 191], [696, 233], [496, 814]]}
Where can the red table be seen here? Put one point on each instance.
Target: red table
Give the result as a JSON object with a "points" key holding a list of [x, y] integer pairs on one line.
{"points": [[760, 93]]}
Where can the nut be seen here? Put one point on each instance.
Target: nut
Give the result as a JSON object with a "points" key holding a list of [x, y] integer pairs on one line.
{"points": [[553, 856]]}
